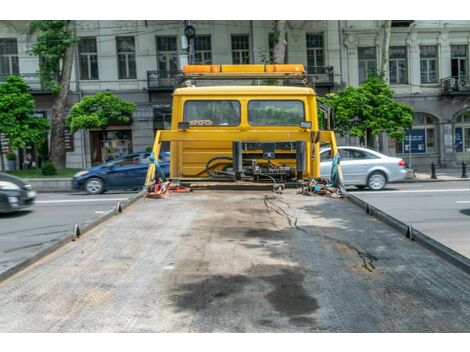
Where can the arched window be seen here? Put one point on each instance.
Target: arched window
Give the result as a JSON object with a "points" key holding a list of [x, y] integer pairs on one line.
{"points": [[462, 136], [423, 136]]}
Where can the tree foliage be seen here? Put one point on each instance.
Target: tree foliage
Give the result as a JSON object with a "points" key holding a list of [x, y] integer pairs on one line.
{"points": [[16, 114], [369, 109], [98, 111], [53, 39]]}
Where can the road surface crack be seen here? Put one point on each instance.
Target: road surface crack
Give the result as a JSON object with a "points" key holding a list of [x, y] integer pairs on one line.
{"points": [[367, 258]]}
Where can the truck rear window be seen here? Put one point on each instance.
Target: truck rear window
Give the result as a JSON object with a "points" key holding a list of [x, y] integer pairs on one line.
{"points": [[212, 112], [275, 112]]}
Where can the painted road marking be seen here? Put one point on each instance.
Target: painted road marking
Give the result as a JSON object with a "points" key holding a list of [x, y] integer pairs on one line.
{"points": [[79, 200], [416, 191], [462, 201]]}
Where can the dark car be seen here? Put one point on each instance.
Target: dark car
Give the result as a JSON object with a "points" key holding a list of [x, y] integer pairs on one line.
{"points": [[127, 172], [15, 194]]}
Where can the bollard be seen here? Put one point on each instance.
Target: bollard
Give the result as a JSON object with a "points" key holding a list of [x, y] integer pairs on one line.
{"points": [[433, 171], [464, 170]]}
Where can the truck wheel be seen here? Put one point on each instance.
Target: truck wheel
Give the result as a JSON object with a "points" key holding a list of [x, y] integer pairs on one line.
{"points": [[377, 181], [94, 186]]}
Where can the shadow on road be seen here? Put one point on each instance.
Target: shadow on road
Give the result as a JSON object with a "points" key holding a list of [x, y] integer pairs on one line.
{"points": [[16, 214], [465, 211]]}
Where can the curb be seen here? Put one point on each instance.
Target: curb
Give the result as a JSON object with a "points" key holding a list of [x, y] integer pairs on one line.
{"points": [[430, 180], [412, 234], [68, 237]]}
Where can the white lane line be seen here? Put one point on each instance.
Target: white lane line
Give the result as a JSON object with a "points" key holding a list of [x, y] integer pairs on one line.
{"points": [[416, 191], [79, 200], [462, 201]]}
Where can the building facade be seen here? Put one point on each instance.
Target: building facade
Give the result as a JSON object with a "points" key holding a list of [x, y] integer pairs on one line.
{"points": [[139, 60]]}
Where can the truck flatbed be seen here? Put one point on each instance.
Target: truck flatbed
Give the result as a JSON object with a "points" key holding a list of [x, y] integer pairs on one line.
{"points": [[239, 261]]}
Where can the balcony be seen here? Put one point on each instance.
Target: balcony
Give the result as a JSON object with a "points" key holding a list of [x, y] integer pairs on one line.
{"points": [[455, 85], [33, 81], [161, 80], [323, 76]]}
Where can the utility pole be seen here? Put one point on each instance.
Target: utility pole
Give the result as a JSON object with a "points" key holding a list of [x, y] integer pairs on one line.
{"points": [[190, 33]]}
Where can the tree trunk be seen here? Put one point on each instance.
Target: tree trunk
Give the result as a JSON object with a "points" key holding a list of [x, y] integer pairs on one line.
{"points": [[2, 162], [280, 47], [386, 50], [57, 154]]}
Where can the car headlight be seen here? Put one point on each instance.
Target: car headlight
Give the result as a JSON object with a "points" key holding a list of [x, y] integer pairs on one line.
{"points": [[81, 173], [13, 200], [8, 186]]}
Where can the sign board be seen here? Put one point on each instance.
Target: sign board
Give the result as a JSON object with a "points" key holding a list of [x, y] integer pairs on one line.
{"points": [[418, 141], [458, 145], [68, 138]]}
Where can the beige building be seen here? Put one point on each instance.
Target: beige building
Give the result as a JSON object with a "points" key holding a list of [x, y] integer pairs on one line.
{"points": [[138, 60]]}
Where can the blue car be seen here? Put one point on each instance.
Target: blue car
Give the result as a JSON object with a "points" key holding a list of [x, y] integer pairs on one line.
{"points": [[127, 172]]}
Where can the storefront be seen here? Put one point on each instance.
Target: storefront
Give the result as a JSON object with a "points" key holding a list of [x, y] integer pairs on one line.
{"points": [[462, 137], [110, 144], [420, 141]]}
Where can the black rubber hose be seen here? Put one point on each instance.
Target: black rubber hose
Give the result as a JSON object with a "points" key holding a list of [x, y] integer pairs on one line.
{"points": [[218, 173]]}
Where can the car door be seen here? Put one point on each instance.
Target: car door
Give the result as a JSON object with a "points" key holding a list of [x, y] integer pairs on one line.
{"points": [[123, 174], [140, 171], [326, 161], [356, 164]]}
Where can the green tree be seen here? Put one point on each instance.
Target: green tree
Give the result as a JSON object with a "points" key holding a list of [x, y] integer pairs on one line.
{"points": [[98, 111], [368, 110], [17, 122], [54, 47]]}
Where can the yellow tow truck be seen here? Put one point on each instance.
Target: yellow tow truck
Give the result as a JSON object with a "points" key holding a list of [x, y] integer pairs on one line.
{"points": [[253, 131]]}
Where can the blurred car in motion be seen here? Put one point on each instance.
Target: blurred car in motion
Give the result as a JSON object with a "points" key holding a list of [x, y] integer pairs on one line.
{"points": [[15, 194], [126, 172], [363, 167]]}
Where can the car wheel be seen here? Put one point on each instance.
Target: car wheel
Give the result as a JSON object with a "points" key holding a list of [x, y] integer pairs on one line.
{"points": [[94, 186], [377, 181]]}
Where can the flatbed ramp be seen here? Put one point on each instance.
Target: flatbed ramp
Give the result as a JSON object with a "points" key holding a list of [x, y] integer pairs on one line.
{"points": [[239, 261]]}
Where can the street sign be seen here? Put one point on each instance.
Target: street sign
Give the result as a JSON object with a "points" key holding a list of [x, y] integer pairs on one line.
{"points": [[418, 141]]}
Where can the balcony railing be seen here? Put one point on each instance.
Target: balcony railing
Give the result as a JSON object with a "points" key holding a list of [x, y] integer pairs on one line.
{"points": [[456, 85], [323, 76], [32, 79], [161, 80]]}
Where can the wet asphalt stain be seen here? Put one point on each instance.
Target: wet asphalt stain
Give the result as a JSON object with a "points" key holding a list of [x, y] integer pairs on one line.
{"points": [[289, 296], [215, 295], [198, 296]]}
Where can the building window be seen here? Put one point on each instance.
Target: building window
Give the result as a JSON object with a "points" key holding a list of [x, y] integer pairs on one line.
{"points": [[367, 58], [315, 49], [167, 55], [240, 49], [88, 58], [458, 60], [202, 49], [398, 65], [9, 57], [428, 60], [126, 57], [423, 136]]}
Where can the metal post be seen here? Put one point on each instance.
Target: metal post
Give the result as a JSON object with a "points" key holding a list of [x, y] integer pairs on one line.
{"points": [[300, 158], [237, 159], [433, 171], [464, 170]]}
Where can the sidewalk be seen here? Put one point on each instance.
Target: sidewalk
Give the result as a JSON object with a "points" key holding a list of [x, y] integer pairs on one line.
{"points": [[443, 174]]}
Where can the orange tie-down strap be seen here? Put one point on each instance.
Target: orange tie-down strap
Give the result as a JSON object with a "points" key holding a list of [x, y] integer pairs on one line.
{"points": [[163, 190]]}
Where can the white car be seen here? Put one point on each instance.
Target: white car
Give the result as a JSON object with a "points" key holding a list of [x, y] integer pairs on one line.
{"points": [[363, 167]]}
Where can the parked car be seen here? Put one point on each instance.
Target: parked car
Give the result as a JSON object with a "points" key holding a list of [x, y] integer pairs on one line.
{"points": [[15, 194], [127, 172], [363, 167]]}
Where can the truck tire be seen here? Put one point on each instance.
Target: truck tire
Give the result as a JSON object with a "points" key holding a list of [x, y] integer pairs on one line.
{"points": [[94, 186], [376, 181]]}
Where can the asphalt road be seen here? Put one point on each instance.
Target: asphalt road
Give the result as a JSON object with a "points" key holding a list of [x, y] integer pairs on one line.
{"points": [[239, 261], [439, 209], [53, 214]]}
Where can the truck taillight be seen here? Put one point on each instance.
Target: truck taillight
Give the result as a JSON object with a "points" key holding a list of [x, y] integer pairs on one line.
{"points": [[401, 163]]}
